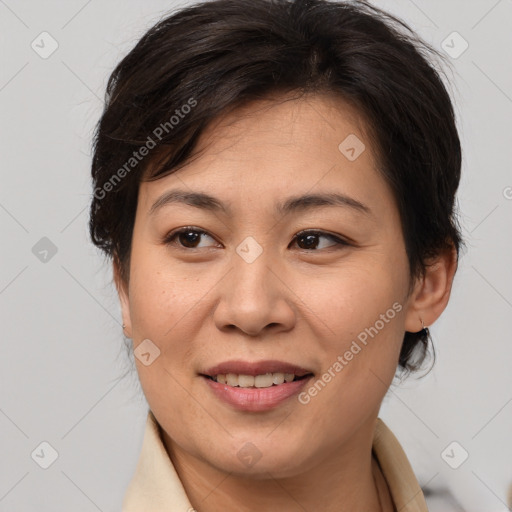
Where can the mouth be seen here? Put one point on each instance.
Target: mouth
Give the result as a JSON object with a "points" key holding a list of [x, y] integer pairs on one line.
{"points": [[262, 374], [265, 380], [255, 387]]}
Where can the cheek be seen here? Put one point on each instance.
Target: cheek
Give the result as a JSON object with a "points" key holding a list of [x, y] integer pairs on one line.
{"points": [[354, 297], [163, 308], [362, 307], [360, 358], [160, 293]]}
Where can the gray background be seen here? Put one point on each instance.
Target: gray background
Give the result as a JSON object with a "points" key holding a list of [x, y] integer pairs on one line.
{"points": [[62, 354]]}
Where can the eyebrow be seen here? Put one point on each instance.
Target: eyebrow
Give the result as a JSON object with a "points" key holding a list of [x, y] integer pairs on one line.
{"points": [[294, 204]]}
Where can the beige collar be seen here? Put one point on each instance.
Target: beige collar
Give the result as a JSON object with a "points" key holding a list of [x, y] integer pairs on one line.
{"points": [[405, 490], [156, 486]]}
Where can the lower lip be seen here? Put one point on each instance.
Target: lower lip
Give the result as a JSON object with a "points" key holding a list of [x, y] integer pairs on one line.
{"points": [[256, 399]]}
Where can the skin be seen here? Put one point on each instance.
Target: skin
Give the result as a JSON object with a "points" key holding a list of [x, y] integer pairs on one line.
{"points": [[205, 305]]}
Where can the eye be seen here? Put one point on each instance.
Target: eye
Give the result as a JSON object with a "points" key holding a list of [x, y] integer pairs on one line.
{"points": [[188, 238], [309, 239]]}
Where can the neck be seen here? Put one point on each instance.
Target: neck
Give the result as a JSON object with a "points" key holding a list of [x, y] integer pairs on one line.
{"points": [[344, 481]]}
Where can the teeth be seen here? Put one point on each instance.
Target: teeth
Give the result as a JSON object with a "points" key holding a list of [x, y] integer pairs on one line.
{"points": [[262, 381], [259, 381], [232, 379], [245, 381], [277, 378]]}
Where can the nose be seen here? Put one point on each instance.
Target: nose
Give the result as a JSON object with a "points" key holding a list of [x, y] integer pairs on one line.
{"points": [[254, 297]]}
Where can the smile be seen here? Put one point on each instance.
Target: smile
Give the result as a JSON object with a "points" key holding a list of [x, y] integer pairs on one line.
{"points": [[255, 387], [265, 380]]}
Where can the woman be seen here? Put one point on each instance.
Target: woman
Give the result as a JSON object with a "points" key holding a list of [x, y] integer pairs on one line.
{"points": [[275, 183]]}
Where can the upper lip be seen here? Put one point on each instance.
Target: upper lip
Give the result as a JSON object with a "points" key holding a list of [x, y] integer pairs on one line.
{"points": [[255, 368]]}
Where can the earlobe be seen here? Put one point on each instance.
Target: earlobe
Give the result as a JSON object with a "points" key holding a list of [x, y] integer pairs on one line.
{"points": [[432, 292], [124, 300]]}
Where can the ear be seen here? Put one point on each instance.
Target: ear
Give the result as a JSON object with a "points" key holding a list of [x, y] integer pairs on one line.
{"points": [[432, 292], [124, 300]]}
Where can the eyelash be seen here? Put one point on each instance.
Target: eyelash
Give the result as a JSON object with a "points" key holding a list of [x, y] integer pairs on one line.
{"points": [[169, 238]]}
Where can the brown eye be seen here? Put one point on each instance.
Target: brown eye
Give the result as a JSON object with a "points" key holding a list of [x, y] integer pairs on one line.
{"points": [[187, 238], [309, 239]]}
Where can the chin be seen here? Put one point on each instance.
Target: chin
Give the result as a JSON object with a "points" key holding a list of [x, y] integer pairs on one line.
{"points": [[258, 459]]}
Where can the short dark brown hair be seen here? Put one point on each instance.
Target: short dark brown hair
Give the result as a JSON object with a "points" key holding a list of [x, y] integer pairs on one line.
{"points": [[212, 57]]}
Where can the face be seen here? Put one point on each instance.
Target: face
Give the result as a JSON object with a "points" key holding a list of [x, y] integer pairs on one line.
{"points": [[262, 284]]}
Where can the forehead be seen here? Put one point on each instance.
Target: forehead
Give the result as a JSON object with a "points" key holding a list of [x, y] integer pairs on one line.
{"points": [[278, 145], [287, 120]]}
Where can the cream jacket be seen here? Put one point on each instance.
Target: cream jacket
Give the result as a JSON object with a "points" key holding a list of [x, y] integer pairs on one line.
{"points": [[156, 487]]}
